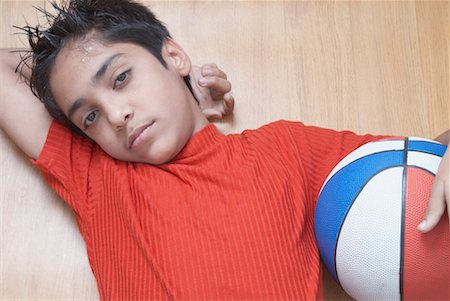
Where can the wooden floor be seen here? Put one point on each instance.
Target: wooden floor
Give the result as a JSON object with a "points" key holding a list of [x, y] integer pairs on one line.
{"points": [[371, 67]]}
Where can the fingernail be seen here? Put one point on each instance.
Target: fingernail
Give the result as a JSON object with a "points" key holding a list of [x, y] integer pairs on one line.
{"points": [[422, 225], [203, 81]]}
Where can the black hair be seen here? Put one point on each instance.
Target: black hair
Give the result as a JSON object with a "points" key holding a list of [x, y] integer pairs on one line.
{"points": [[113, 20]]}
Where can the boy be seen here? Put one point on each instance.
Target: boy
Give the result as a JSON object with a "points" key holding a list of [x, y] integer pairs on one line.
{"points": [[197, 234]]}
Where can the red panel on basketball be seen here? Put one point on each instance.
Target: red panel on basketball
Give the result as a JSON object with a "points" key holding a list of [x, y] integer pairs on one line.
{"points": [[418, 262]]}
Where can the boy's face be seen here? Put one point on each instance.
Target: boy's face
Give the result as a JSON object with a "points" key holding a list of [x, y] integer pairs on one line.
{"points": [[124, 99]]}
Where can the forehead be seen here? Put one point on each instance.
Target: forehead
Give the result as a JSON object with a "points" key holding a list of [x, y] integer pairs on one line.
{"points": [[81, 49], [83, 58], [88, 52], [76, 64], [87, 48]]}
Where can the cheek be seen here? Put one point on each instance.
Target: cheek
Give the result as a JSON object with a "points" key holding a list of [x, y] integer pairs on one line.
{"points": [[108, 141], [172, 90], [117, 152], [179, 100]]}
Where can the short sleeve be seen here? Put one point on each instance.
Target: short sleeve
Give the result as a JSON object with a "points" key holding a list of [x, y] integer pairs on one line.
{"points": [[64, 162], [320, 150]]}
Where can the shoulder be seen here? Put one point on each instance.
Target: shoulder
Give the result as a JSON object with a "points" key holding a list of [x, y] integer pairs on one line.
{"points": [[280, 130], [71, 164], [65, 152], [280, 136], [61, 139]]}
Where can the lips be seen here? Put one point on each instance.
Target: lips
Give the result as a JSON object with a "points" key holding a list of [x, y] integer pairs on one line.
{"points": [[136, 133]]}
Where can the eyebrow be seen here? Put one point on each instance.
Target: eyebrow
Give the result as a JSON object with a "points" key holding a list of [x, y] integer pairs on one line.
{"points": [[95, 79], [101, 72], [74, 107]]}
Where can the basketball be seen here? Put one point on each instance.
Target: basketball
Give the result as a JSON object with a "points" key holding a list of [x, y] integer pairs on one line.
{"points": [[366, 223]]}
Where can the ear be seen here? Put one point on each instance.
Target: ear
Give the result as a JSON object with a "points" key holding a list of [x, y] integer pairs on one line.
{"points": [[176, 57]]}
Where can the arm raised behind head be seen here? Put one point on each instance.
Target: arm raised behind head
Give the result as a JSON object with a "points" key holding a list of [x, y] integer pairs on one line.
{"points": [[26, 121], [22, 116]]}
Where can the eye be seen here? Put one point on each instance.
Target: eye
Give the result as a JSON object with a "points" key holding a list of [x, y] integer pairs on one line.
{"points": [[89, 119], [121, 79]]}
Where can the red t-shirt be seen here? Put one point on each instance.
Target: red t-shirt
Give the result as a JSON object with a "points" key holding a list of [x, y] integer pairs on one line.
{"points": [[231, 217]]}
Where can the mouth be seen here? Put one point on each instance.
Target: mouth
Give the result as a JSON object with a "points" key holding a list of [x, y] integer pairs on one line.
{"points": [[138, 135]]}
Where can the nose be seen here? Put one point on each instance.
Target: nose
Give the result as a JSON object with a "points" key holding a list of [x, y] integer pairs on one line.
{"points": [[118, 114]]}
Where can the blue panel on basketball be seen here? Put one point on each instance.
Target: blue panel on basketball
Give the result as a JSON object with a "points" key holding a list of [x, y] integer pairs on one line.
{"points": [[427, 147], [336, 198]]}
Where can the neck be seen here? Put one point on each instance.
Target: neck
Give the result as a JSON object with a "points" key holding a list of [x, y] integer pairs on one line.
{"points": [[199, 119]]}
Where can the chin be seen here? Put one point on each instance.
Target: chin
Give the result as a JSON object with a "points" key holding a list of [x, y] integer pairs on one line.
{"points": [[162, 156], [166, 150], [158, 161]]}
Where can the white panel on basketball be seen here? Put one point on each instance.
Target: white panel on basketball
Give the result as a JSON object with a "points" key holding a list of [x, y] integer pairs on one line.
{"points": [[370, 236], [367, 149], [424, 160]]}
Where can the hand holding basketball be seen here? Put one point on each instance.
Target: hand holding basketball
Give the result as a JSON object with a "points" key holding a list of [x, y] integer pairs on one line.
{"points": [[440, 193]]}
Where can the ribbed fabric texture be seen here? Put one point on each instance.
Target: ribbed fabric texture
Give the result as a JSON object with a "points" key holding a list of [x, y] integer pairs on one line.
{"points": [[230, 218]]}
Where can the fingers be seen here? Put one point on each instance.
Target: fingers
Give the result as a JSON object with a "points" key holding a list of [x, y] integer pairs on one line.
{"points": [[212, 114], [220, 109], [212, 90], [214, 79], [212, 70], [435, 209], [218, 85], [228, 103], [211, 77]]}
